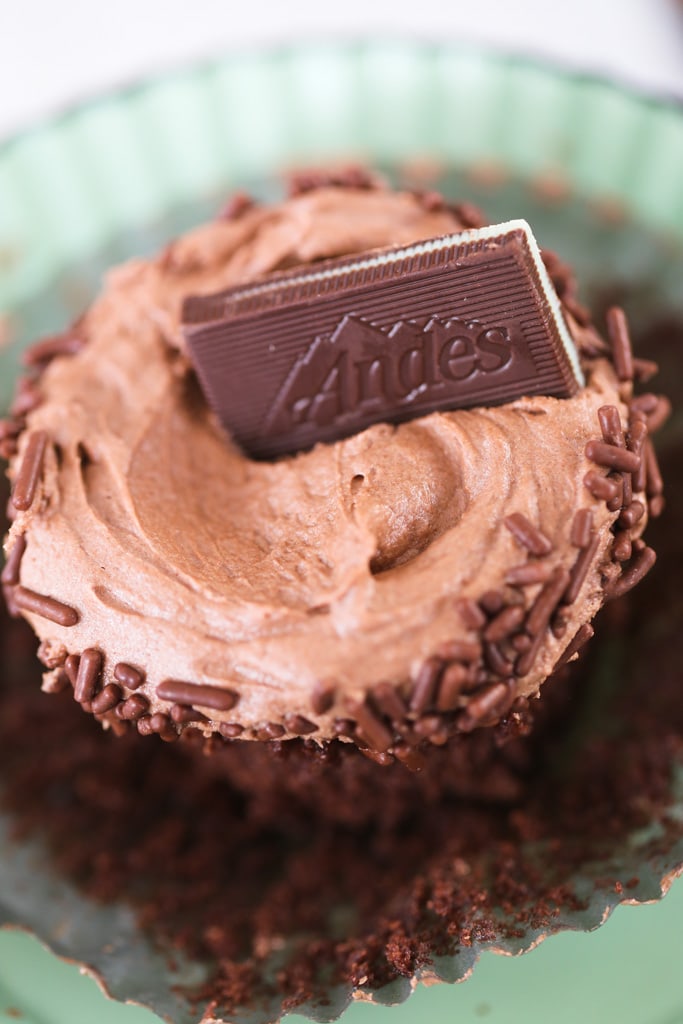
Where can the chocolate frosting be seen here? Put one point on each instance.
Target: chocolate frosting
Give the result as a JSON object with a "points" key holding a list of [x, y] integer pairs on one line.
{"points": [[342, 566]]}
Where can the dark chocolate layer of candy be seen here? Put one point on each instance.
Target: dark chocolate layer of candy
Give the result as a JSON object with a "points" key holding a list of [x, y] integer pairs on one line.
{"points": [[319, 353]]}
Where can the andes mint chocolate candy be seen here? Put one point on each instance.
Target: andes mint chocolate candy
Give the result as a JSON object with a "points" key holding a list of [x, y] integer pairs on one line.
{"points": [[318, 353]]}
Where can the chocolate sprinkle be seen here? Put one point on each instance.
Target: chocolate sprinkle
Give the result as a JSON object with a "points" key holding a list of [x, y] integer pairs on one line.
{"points": [[26, 399], [528, 574], [583, 635], [10, 429], [646, 403], [577, 310], [505, 623], [230, 730], [580, 569], [637, 435], [8, 449], [299, 726], [547, 601], [11, 569], [489, 704], [133, 707], [357, 177], [622, 548], [469, 215], [28, 476], [144, 725], [71, 664], [460, 650], [46, 607], [637, 441], [67, 344], [322, 697], [180, 692], [269, 731], [644, 369], [617, 502], [528, 535], [424, 689], [470, 613], [631, 515], [656, 506], [491, 602], [654, 485], [610, 424], [620, 339], [162, 726], [382, 758], [660, 414], [455, 680], [600, 486], [627, 485], [611, 457], [89, 671], [496, 660], [107, 699], [181, 714], [582, 528], [412, 759], [388, 701], [130, 677], [344, 727], [371, 726], [237, 205], [636, 570]]}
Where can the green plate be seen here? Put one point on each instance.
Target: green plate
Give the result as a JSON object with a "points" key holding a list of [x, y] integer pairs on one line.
{"points": [[588, 163]]}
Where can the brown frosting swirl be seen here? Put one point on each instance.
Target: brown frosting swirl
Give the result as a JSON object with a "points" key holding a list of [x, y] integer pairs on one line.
{"points": [[344, 565]]}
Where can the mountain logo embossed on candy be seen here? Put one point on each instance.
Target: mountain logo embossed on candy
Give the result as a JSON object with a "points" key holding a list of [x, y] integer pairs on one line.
{"points": [[361, 368], [321, 352]]}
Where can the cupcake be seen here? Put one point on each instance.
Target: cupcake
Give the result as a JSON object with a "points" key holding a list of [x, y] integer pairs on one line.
{"points": [[390, 589]]}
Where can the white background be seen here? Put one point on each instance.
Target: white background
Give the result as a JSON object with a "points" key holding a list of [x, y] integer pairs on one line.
{"points": [[56, 52]]}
